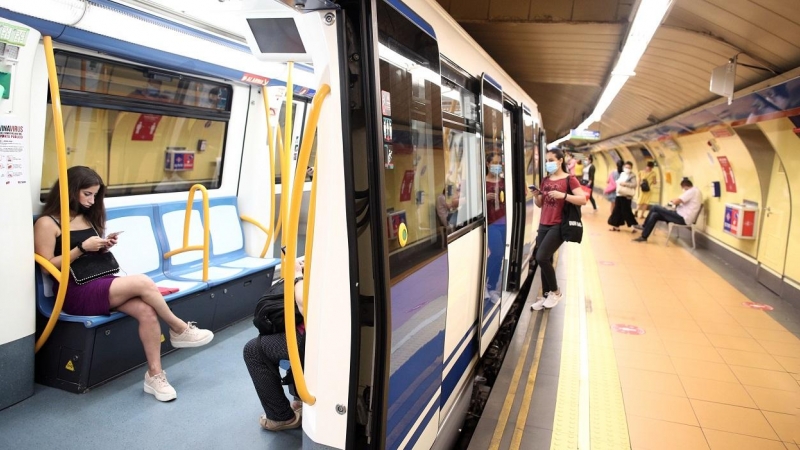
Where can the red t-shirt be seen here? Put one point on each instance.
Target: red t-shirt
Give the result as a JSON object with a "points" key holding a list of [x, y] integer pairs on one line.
{"points": [[551, 207], [496, 208]]}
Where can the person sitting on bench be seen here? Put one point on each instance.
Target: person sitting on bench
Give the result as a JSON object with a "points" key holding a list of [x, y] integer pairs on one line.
{"points": [[687, 208]]}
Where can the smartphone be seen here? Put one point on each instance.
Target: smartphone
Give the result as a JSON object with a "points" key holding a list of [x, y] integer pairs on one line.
{"points": [[533, 188], [114, 234]]}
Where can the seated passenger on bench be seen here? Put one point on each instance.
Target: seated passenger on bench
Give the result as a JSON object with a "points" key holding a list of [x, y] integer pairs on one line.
{"points": [[685, 213], [135, 295], [262, 355]]}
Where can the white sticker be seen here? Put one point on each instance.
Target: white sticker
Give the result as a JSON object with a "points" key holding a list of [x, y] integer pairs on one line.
{"points": [[13, 154]]}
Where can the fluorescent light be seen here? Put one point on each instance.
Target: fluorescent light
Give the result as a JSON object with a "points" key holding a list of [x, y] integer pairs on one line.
{"points": [[648, 17], [409, 65], [555, 143], [65, 12]]}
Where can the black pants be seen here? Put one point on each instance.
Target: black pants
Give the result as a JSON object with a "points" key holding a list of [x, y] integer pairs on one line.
{"points": [[622, 213], [262, 355], [548, 240], [591, 199], [660, 213]]}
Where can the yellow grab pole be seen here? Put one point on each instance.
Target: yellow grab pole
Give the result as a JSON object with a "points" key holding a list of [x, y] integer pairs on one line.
{"points": [[312, 216], [287, 147], [63, 192], [206, 229], [271, 147], [292, 223]]}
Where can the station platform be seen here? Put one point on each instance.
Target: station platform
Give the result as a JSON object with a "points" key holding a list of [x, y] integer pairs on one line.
{"points": [[653, 347]]}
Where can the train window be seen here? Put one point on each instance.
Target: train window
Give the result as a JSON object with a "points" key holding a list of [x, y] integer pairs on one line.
{"points": [[493, 147], [462, 191], [144, 131], [531, 154], [298, 125], [411, 107]]}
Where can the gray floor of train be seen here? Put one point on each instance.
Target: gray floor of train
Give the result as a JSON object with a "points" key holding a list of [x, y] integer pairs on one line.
{"points": [[217, 407]]}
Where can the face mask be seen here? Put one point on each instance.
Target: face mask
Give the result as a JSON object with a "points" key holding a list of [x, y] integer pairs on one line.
{"points": [[627, 170], [84, 209], [496, 169], [551, 166]]}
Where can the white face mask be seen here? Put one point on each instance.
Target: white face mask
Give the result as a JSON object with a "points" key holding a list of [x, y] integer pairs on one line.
{"points": [[627, 170]]}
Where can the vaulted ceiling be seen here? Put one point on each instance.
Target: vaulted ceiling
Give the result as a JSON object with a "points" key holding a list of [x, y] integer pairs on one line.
{"points": [[562, 52]]}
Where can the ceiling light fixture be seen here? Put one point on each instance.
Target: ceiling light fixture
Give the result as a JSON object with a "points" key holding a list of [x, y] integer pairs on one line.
{"points": [[648, 17]]}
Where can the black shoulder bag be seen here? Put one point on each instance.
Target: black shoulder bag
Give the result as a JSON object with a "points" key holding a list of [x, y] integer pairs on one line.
{"points": [[92, 266], [571, 225], [269, 314], [645, 185]]}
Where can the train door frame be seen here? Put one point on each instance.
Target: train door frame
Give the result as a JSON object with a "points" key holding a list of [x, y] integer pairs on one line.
{"points": [[514, 261], [380, 49]]}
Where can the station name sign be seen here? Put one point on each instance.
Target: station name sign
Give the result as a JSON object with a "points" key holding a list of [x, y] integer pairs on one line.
{"points": [[588, 135]]}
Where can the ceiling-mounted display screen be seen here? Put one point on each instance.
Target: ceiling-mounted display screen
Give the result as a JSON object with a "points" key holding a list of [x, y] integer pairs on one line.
{"points": [[276, 35]]}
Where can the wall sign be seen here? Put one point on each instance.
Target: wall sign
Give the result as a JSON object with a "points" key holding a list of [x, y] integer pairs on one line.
{"points": [[13, 157], [727, 172], [145, 128]]}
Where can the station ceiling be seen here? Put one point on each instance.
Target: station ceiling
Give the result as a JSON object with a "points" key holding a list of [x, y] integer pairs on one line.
{"points": [[562, 52]]}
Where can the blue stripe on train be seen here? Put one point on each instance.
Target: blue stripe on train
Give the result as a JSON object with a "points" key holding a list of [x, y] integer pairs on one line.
{"points": [[461, 365], [424, 424]]}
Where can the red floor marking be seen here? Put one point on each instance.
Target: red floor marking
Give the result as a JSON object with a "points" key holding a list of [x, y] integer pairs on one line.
{"points": [[760, 306], [627, 329]]}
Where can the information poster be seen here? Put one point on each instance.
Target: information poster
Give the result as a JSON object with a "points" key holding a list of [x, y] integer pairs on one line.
{"points": [[407, 186], [727, 172], [145, 128], [13, 157]]}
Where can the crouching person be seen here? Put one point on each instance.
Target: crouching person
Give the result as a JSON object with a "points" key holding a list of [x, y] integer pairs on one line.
{"points": [[262, 356]]}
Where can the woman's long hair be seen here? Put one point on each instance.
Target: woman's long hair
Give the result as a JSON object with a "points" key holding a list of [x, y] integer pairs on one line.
{"points": [[79, 177], [559, 155]]}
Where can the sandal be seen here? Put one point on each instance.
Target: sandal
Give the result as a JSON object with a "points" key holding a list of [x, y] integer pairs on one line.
{"points": [[613, 229]]}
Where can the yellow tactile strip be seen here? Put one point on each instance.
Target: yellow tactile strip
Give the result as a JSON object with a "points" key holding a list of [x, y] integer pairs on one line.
{"points": [[587, 356], [608, 423]]}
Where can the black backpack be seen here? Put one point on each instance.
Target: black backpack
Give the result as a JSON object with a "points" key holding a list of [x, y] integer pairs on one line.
{"points": [[645, 186], [269, 314]]}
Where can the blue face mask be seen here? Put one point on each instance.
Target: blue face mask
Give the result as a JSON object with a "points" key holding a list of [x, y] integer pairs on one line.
{"points": [[496, 169], [551, 166]]}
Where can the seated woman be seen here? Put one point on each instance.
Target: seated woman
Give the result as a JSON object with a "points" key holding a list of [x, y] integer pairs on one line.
{"points": [[135, 295], [262, 354]]}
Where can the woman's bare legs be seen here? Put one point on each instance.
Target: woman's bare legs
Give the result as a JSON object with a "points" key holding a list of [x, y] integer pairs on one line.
{"points": [[149, 331], [124, 289]]}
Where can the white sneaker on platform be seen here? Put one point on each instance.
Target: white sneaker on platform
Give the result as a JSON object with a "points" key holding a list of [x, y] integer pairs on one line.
{"points": [[552, 300], [538, 305], [158, 386], [191, 337]]}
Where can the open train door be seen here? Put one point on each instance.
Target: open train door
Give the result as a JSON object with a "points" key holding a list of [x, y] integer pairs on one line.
{"points": [[400, 168]]}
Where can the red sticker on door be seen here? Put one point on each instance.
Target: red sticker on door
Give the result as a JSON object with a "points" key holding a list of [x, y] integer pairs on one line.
{"points": [[145, 127]]}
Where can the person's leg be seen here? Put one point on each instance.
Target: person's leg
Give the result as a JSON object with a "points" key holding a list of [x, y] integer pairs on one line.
{"points": [[591, 199], [149, 331], [652, 218], [262, 356], [627, 212], [123, 289], [544, 257]]}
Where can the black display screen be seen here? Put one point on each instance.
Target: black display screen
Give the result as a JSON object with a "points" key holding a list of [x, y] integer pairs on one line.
{"points": [[276, 35]]}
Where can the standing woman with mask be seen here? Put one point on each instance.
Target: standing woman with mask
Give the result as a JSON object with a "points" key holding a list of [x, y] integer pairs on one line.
{"points": [[551, 197], [626, 189]]}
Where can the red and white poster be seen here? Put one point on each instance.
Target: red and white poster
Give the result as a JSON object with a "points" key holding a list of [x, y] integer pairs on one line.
{"points": [[145, 127], [407, 186], [727, 172]]}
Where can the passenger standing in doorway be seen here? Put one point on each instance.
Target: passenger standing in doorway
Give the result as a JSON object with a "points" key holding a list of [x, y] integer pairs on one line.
{"points": [[626, 188], [588, 179], [685, 213], [649, 176], [551, 197]]}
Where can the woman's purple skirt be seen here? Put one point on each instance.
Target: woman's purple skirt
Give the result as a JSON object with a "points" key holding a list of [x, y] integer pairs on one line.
{"points": [[90, 299]]}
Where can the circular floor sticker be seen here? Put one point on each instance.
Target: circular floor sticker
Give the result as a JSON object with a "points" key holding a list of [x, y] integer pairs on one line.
{"points": [[760, 306], [627, 329]]}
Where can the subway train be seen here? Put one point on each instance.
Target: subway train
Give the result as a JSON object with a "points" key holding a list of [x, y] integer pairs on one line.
{"points": [[376, 139]]}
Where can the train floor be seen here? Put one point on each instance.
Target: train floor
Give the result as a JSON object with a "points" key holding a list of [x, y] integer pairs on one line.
{"points": [[653, 347], [217, 408]]}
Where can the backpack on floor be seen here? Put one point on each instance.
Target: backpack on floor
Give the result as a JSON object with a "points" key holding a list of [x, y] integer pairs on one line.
{"points": [[269, 314]]}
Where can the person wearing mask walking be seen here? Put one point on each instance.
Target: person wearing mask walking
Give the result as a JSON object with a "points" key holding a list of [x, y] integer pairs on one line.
{"points": [[626, 188], [588, 179]]}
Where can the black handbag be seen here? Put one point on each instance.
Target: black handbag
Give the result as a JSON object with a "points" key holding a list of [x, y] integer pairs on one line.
{"points": [[92, 266], [571, 225], [645, 186]]}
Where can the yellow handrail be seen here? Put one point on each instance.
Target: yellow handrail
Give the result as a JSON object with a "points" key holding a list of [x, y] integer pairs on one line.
{"points": [[255, 222], [292, 223], [287, 148], [206, 229], [271, 147], [312, 216], [63, 192]]}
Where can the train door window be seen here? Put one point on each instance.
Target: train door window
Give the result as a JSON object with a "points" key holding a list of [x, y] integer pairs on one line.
{"points": [[143, 130], [411, 108], [299, 107], [461, 201], [493, 148], [531, 155]]}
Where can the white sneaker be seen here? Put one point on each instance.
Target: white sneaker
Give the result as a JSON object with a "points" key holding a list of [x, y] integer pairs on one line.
{"points": [[552, 300], [158, 386], [191, 337], [538, 305]]}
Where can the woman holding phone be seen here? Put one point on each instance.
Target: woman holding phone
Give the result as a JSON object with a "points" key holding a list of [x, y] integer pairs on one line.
{"points": [[135, 295], [558, 188]]}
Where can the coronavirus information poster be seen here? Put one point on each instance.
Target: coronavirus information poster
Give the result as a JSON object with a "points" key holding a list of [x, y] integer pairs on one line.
{"points": [[13, 157]]}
